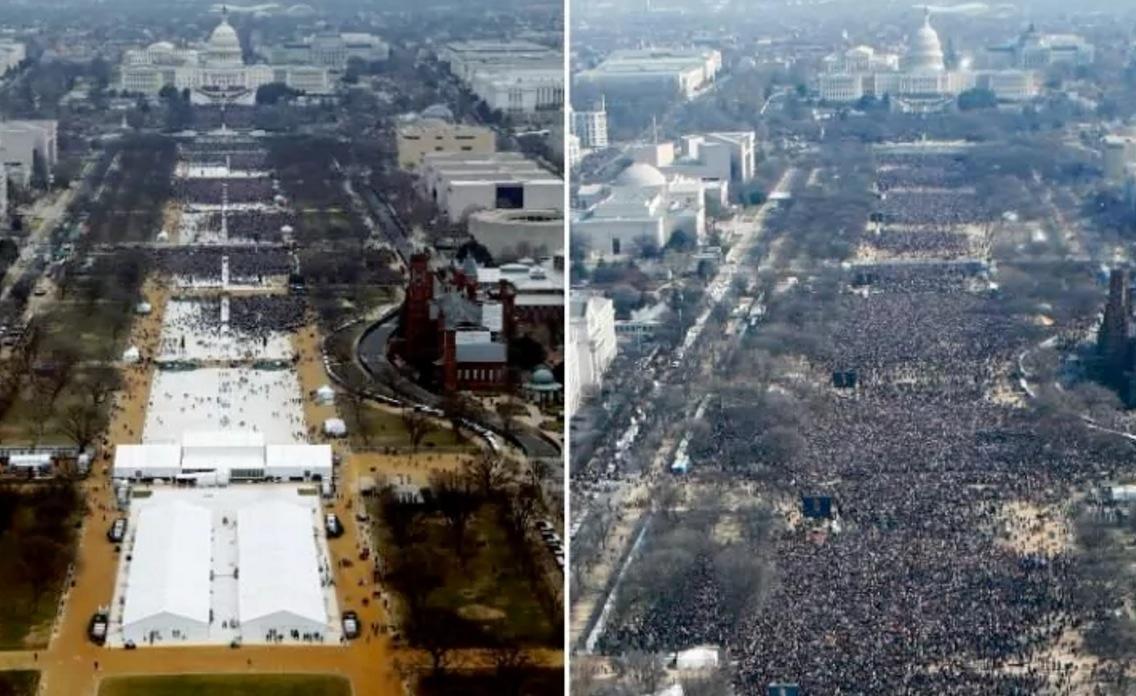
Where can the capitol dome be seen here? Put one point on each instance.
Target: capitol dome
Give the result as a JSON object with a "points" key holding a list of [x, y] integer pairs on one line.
{"points": [[641, 175], [224, 44], [926, 52]]}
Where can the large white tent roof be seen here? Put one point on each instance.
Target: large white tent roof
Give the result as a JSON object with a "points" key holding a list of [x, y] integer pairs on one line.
{"points": [[145, 458], [313, 458], [276, 551], [170, 563], [223, 450]]}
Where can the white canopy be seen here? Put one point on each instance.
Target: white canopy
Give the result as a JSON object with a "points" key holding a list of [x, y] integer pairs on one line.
{"points": [[325, 394], [169, 572], [704, 657], [334, 427], [131, 355], [279, 567], [143, 308]]}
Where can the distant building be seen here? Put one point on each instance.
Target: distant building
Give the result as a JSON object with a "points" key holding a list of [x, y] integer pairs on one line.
{"points": [[681, 71], [521, 79], [21, 142], [331, 51], [12, 53], [214, 72], [1034, 50], [457, 321], [644, 322], [920, 82], [513, 234], [642, 206], [725, 157], [574, 153], [591, 331], [1117, 152], [425, 136], [591, 127], [462, 183], [1116, 347]]}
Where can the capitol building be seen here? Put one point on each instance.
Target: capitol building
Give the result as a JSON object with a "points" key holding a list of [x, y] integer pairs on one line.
{"points": [[214, 72], [920, 81]]}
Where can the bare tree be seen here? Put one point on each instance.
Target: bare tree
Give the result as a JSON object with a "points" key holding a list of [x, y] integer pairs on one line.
{"points": [[644, 671], [453, 495], [82, 423], [356, 411], [418, 425], [490, 470], [511, 661]]}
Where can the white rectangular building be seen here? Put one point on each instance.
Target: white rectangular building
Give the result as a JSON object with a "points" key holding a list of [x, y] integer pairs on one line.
{"points": [[519, 78], [592, 332], [22, 141], [461, 184], [682, 71]]}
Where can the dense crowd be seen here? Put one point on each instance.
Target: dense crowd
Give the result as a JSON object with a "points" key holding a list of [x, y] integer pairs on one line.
{"points": [[234, 190], [258, 225], [918, 590], [203, 264], [927, 243], [932, 208]]}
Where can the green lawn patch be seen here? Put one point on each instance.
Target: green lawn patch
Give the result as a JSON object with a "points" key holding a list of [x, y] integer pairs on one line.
{"points": [[386, 428], [19, 683], [37, 541], [227, 685]]}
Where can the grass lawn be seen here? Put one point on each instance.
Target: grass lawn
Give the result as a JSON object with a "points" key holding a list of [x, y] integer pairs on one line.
{"points": [[491, 594], [387, 429], [526, 682], [37, 539], [19, 683], [227, 685]]}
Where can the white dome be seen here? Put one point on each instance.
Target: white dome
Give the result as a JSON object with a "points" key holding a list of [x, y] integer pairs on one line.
{"points": [[926, 53], [224, 44], [163, 46], [641, 175]]}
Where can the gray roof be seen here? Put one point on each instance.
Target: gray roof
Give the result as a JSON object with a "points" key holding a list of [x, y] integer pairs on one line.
{"points": [[480, 352], [458, 310]]}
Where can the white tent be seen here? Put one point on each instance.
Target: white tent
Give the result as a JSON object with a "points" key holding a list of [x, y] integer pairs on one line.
{"points": [[705, 657], [131, 355], [167, 583], [229, 450], [334, 427], [298, 461], [143, 308], [146, 461], [325, 394], [280, 587]]}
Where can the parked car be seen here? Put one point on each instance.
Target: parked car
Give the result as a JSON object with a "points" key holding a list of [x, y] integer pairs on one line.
{"points": [[117, 531], [333, 526], [97, 629], [350, 625]]}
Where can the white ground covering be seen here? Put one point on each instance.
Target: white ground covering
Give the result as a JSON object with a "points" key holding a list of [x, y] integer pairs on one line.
{"points": [[217, 171], [167, 597], [270, 532], [282, 576], [206, 338], [264, 401]]}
